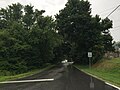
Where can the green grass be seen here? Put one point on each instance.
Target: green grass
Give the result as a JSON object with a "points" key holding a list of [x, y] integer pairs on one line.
{"points": [[108, 70], [7, 78]]}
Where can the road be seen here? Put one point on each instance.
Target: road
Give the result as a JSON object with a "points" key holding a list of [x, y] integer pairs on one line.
{"points": [[65, 78]]}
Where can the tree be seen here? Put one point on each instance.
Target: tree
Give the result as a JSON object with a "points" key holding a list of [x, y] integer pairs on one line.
{"points": [[27, 39], [12, 13], [117, 44], [28, 18], [83, 31]]}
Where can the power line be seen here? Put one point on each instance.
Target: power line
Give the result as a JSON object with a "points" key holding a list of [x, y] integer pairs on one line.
{"points": [[116, 27], [114, 10], [114, 30], [117, 20], [106, 10]]}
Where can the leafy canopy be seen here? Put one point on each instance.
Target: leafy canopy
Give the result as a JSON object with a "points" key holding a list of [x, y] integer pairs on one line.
{"points": [[83, 31]]}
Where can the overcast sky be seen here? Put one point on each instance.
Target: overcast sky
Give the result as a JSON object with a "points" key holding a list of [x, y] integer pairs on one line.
{"points": [[100, 7]]}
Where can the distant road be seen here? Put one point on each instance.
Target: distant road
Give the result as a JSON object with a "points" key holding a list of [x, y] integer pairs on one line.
{"points": [[66, 78]]}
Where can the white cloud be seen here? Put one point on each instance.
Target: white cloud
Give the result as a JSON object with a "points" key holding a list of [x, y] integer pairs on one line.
{"points": [[51, 7]]}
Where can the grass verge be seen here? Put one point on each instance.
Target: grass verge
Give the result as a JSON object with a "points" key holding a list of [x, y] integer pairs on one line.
{"points": [[7, 78], [107, 70]]}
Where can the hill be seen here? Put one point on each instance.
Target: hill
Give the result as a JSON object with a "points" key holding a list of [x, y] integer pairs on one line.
{"points": [[107, 70]]}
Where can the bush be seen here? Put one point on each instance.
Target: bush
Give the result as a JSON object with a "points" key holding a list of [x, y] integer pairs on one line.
{"points": [[5, 73]]}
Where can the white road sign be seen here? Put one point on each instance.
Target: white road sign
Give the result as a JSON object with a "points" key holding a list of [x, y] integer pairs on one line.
{"points": [[89, 54]]}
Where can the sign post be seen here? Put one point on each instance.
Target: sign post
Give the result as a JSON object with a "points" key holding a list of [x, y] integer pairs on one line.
{"points": [[90, 64], [90, 56]]}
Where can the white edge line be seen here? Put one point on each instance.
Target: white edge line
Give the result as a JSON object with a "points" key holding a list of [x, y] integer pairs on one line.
{"points": [[112, 85], [23, 81], [99, 79]]}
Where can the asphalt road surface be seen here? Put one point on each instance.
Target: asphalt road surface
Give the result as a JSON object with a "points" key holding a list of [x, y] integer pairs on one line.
{"points": [[66, 78]]}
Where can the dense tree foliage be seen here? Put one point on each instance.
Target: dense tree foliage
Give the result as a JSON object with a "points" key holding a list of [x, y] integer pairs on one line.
{"points": [[83, 31], [27, 39], [117, 44]]}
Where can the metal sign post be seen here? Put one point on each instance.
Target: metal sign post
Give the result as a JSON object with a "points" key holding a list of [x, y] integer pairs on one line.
{"points": [[89, 56], [90, 64]]}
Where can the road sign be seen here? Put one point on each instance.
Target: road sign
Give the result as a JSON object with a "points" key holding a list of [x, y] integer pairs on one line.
{"points": [[89, 54]]}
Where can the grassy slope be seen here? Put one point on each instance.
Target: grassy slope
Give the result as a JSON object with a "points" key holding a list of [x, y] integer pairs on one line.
{"points": [[6, 78], [108, 70]]}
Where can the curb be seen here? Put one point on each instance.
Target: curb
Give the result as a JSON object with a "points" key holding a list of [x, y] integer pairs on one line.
{"points": [[99, 78]]}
